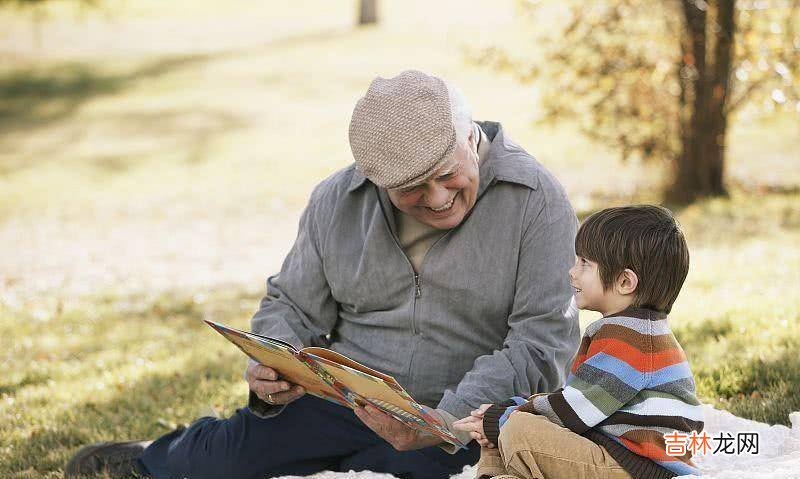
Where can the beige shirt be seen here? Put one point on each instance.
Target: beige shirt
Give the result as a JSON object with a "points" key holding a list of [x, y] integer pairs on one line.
{"points": [[416, 238]]}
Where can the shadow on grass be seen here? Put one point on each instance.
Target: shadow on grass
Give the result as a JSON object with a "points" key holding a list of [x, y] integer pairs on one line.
{"points": [[39, 435], [33, 97], [694, 336], [29, 379], [146, 409], [758, 389], [748, 382], [90, 338]]}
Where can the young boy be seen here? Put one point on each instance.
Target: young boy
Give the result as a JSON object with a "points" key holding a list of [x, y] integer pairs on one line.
{"points": [[630, 383]]}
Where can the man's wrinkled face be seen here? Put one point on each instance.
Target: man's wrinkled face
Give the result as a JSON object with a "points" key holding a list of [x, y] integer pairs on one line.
{"points": [[448, 195]]}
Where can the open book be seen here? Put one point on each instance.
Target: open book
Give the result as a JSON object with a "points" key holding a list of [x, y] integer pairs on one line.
{"points": [[335, 377]]}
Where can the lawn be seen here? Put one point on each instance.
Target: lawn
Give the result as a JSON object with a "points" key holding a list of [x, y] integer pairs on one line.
{"points": [[153, 163]]}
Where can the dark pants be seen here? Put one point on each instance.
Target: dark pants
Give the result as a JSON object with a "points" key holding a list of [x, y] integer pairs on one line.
{"points": [[309, 436]]}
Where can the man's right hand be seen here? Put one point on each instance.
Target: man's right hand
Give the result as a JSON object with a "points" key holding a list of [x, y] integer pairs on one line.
{"points": [[264, 382]]}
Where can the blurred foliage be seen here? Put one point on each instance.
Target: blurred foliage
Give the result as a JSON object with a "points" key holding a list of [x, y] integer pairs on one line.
{"points": [[657, 80]]}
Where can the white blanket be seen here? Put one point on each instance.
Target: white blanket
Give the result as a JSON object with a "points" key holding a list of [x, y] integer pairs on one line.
{"points": [[778, 452]]}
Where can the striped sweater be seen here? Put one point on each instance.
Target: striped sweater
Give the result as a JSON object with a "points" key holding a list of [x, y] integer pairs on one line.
{"points": [[630, 383]]}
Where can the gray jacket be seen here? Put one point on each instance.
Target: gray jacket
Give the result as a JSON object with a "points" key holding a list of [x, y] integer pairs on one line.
{"points": [[490, 315]]}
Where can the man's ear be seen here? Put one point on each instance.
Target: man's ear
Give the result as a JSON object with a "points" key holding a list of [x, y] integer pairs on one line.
{"points": [[627, 282]]}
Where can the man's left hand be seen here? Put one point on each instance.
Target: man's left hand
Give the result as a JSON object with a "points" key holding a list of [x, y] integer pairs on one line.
{"points": [[400, 436]]}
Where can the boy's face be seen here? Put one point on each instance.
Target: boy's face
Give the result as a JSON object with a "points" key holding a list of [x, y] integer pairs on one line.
{"points": [[584, 276]]}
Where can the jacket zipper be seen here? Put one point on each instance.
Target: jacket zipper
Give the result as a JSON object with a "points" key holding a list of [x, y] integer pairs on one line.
{"points": [[417, 286]]}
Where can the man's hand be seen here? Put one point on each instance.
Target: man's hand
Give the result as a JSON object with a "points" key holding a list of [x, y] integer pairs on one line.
{"points": [[400, 436], [264, 382]]}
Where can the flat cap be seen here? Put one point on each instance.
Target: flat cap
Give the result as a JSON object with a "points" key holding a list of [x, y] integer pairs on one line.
{"points": [[402, 129]]}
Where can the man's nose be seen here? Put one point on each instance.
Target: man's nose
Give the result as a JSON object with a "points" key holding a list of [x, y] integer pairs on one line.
{"points": [[438, 196]]}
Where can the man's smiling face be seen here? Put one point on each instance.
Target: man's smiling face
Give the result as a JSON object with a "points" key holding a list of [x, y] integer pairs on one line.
{"points": [[444, 200]]}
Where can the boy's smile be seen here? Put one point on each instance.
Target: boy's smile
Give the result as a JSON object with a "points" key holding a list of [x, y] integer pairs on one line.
{"points": [[585, 279], [590, 294]]}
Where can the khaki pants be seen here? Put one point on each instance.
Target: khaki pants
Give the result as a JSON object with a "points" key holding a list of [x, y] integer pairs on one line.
{"points": [[531, 447]]}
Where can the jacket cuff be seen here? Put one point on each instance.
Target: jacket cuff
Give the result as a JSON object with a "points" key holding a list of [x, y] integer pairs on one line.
{"points": [[463, 436], [491, 420], [263, 409], [454, 404]]}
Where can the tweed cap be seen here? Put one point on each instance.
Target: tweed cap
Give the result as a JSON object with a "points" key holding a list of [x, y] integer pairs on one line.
{"points": [[402, 129]]}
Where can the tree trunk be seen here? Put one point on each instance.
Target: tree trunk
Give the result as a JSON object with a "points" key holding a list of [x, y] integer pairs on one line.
{"points": [[700, 166], [719, 94], [689, 169], [367, 12]]}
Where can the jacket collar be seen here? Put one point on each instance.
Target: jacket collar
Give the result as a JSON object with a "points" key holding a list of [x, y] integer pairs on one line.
{"points": [[357, 180], [499, 165], [506, 161]]}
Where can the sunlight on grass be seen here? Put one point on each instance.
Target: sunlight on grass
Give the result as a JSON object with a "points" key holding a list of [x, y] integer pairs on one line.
{"points": [[104, 368]]}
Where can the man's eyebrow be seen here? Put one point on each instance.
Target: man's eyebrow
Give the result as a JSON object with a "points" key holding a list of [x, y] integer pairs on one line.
{"points": [[407, 188], [452, 168]]}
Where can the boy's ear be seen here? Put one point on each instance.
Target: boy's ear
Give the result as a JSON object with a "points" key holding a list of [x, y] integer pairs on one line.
{"points": [[627, 282]]}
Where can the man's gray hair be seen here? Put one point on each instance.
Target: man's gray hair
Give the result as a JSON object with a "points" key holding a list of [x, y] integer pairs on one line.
{"points": [[461, 113]]}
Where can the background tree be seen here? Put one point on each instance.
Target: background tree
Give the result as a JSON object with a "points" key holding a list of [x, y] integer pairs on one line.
{"points": [[367, 12], [660, 79]]}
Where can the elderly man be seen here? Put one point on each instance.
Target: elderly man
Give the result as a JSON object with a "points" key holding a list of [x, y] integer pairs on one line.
{"points": [[440, 258]]}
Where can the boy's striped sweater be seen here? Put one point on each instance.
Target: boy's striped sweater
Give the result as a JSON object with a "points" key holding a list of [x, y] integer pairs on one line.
{"points": [[630, 384]]}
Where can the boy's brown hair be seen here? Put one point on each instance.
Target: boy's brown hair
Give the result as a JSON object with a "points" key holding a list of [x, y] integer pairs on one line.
{"points": [[643, 238]]}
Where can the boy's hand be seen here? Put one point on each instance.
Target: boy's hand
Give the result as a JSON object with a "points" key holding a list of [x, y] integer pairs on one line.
{"points": [[474, 425], [479, 412]]}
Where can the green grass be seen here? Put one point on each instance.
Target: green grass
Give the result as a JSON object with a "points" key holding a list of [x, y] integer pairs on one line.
{"points": [[150, 136], [739, 315], [111, 367]]}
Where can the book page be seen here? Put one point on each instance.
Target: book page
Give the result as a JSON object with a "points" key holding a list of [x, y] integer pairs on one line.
{"points": [[360, 387], [345, 361], [282, 358]]}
